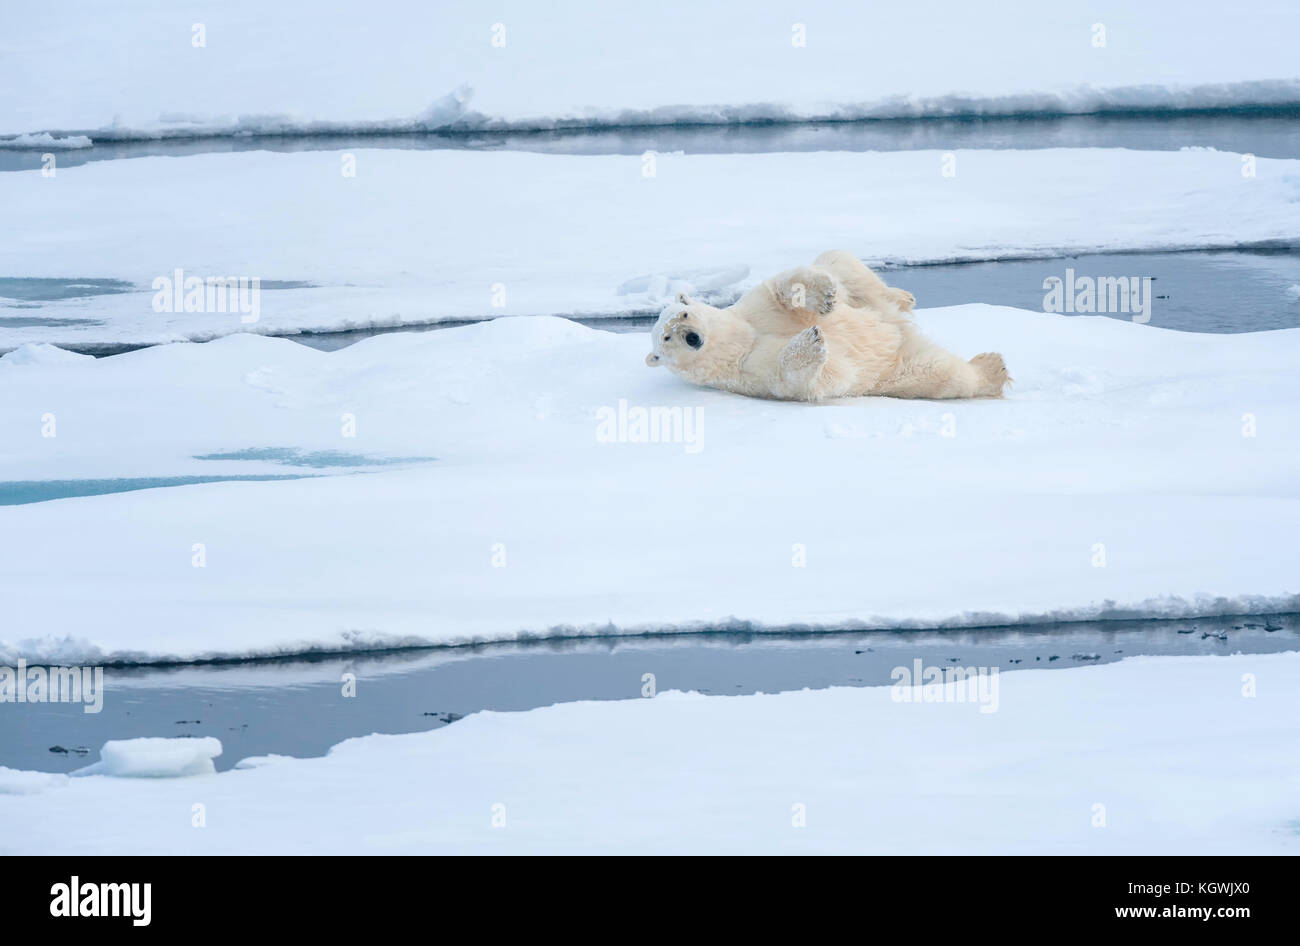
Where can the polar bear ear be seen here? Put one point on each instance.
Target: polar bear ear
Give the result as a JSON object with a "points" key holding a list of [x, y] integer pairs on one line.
{"points": [[684, 298]]}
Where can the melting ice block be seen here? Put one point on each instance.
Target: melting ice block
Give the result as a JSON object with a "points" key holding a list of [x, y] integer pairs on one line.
{"points": [[155, 758]]}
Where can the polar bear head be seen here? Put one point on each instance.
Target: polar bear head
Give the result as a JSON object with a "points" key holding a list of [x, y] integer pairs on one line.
{"points": [[679, 338]]}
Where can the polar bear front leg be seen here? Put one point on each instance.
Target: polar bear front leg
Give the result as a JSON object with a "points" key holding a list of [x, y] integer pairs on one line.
{"points": [[806, 291], [800, 364]]}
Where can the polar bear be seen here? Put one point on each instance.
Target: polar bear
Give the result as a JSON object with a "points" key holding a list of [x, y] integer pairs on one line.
{"points": [[832, 329]]}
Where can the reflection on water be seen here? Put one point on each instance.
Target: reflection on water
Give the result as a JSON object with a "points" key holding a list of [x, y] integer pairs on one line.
{"points": [[1266, 133]]}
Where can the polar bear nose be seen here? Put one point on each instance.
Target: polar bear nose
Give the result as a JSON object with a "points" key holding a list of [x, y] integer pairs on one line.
{"points": [[693, 340]]}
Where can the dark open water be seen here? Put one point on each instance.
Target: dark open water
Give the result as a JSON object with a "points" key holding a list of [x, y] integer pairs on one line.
{"points": [[296, 707]]}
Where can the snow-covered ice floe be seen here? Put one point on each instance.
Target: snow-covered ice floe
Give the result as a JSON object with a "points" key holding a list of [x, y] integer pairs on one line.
{"points": [[558, 486], [428, 236], [409, 66], [1150, 755]]}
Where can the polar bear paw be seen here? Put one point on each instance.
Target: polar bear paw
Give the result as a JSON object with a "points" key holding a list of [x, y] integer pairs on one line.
{"points": [[903, 299], [807, 290], [993, 374], [803, 356]]}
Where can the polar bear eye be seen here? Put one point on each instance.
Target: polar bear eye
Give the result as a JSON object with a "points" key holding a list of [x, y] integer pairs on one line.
{"points": [[667, 337], [693, 340]]}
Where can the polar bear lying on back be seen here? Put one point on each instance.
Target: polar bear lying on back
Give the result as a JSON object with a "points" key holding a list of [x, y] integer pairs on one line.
{"points": [[832, 329]]}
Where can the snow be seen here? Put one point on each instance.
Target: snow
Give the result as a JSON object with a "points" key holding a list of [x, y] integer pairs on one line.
{"points": [[1170, 456], [427, 236], [407, 65], [155, 758], [463, 484], [259, 761], [20, 782], [1144, 756], [43, 141], [41, 353]]}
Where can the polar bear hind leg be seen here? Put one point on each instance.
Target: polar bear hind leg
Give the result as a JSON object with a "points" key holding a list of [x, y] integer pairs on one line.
{"points": [[863, 287], [935, 373]]}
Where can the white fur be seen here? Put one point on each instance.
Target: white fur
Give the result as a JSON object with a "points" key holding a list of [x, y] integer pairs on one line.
{"points": [[832, 329]]}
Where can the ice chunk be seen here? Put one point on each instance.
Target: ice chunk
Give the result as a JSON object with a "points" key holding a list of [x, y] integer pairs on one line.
{"points": [[261, 761], [155, 758], [44, 140]]}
